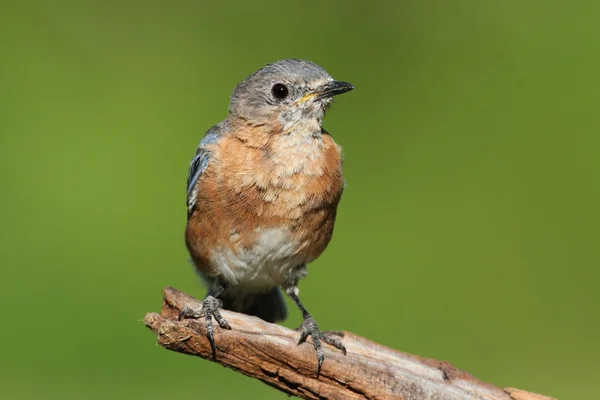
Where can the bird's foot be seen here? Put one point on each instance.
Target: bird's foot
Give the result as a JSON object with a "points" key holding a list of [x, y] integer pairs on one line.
{"points": [[309, 328], [210, 309]]}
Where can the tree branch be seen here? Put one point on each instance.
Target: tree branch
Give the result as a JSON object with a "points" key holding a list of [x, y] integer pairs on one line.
{"points": [[268, 352]]}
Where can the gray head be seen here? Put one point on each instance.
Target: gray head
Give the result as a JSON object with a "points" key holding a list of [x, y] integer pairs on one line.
{"points": [[288, 91]]}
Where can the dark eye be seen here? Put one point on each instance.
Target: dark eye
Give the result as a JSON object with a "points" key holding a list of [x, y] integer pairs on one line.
{"points": [[280, 91]]}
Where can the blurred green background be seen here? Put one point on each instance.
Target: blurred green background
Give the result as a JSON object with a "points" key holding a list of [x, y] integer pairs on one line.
{"points": [[468, 232]]}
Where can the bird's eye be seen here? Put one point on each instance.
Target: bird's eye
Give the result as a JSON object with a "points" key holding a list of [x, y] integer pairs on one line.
{"points": [[280, 91]]}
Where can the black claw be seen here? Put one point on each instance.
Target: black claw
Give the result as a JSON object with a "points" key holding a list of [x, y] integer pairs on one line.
{"points": [[334, 341], [220, 320], [213, 344], [319, 363], [210, 334], [309, 328], [210, 309], [320, 353], [303, 336]]}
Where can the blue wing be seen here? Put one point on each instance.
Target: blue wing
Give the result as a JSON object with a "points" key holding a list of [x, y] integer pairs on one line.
{"points": [[199, 163]]}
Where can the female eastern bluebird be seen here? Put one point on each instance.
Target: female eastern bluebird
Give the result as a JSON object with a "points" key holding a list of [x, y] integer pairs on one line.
{"points": [[262, 194]]}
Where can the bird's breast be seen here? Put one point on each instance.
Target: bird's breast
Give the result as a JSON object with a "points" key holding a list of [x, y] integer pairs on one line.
{"points": [[265, 208]]}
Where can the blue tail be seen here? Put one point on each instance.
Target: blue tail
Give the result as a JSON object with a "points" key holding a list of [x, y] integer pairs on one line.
{"points": [[268, 306]]}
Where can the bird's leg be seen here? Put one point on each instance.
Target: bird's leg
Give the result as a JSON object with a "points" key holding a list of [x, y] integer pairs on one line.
{"points": [[210, 308], [309, 328]]}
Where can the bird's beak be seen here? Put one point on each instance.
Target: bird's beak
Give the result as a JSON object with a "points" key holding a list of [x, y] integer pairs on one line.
{"points": [[331, 89], [327, 91]]}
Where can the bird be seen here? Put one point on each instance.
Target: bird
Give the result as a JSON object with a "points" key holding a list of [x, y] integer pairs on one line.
{"points": [[262, 194]]}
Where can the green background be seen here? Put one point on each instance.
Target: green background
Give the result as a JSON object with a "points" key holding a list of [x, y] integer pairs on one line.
{"points": [[468, 232]]}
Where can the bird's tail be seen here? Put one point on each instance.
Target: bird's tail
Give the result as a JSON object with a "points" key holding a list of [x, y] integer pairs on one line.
{"points": [[268, 306]]}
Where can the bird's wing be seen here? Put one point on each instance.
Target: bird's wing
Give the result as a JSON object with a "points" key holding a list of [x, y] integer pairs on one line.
{"points": [[199, 164]]}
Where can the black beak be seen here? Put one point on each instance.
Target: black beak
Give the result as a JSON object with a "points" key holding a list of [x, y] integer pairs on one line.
{"points": [[333, 88]]}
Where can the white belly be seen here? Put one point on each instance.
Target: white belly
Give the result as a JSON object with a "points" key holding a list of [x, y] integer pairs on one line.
{"points": [[274, 259]]}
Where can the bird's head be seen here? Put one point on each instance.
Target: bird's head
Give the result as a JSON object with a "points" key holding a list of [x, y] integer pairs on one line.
{"points": [[292, 93]]}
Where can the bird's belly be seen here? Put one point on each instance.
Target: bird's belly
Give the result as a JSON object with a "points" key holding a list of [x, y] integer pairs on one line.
{"points": [[272, 259]]}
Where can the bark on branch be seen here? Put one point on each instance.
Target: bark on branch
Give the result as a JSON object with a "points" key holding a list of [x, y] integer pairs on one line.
{"points": [[268, 352]]}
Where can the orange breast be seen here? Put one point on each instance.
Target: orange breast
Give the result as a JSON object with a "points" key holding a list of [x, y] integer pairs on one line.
{"points": [[256, 181]]}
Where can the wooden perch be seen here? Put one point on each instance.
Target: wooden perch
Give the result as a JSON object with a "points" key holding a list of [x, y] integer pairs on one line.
{"points": [[268, 352]]}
